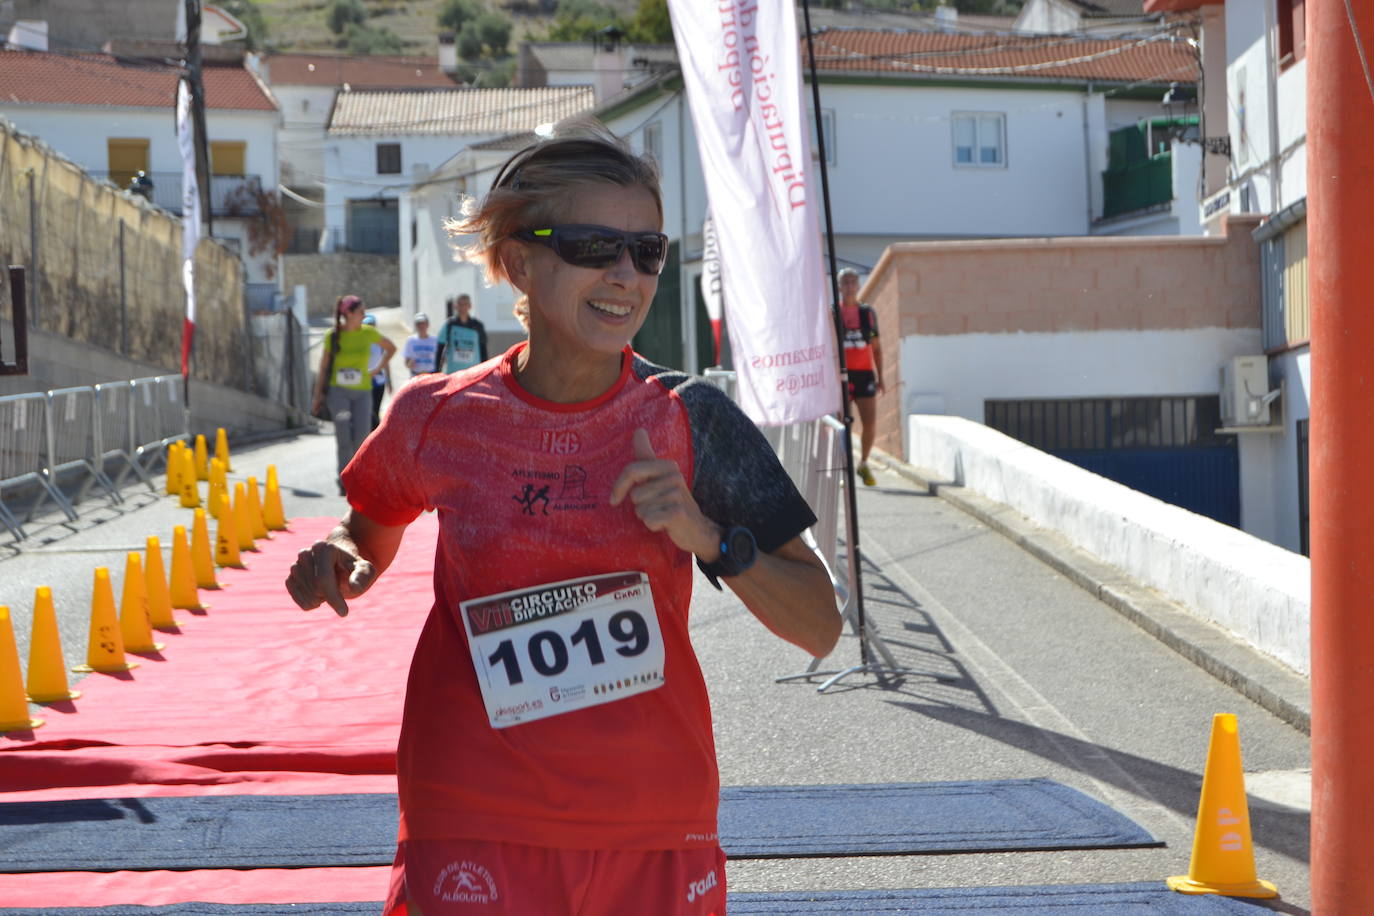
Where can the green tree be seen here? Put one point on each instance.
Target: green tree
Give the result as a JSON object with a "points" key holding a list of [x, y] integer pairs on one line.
{"points": [[581, 20], [652, 25], [454, 14], [359, 39], [340, 14], [494, 30], [469, 42], [497, 76]]}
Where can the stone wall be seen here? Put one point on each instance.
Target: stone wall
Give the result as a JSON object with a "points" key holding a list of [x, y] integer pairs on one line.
{"points": [[326, 277], [107, 267]]}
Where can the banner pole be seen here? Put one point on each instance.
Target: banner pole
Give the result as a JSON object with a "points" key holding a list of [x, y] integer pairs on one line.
{"points": [[846, 413]]}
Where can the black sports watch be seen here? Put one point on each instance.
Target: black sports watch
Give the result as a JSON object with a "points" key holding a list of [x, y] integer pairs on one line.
{"points": [[738, 550]]}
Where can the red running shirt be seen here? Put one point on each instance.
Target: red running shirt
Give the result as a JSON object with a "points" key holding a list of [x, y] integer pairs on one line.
{"points": [[860, 327], [521, 487]]}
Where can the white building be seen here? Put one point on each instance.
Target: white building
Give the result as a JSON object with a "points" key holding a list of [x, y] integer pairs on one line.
{"points": [[1098, 17], [377, 143], [116, 118], [1255, 95]]}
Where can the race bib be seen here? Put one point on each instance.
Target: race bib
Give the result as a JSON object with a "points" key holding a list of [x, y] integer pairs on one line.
{"points": [[348, 378], [552, 649]]}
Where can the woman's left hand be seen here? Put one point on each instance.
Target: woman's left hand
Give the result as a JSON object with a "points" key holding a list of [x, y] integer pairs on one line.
{"points": [[663, 501]]}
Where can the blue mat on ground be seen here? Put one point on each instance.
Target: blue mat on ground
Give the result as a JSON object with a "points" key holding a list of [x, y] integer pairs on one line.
{"points": [[299, 831], [1148, 899]]}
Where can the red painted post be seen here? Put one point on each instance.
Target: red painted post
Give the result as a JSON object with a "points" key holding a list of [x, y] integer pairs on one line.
{"points": [[1340, 191]]}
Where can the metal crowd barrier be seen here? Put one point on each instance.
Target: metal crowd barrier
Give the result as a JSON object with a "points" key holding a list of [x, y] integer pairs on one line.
{"points": [[48, 433]]}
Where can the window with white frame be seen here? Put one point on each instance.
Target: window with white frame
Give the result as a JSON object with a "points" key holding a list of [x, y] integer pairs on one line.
{"points": [[828, 126], [653, 140], [980, 139]]}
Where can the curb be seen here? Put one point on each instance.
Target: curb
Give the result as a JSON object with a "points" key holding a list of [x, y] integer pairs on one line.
{"points": [[1232, 661]]}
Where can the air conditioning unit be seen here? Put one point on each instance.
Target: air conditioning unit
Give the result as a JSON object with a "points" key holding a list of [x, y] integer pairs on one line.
{"points": [[1245, 394]]}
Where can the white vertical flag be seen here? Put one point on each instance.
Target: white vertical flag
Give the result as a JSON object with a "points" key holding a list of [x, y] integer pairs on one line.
{"points": [[742, 69], [190, 218], [710, 280]]}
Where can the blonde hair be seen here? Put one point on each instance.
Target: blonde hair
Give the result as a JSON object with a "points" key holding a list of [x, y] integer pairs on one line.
{"points": [[535, 184], [521, 311]]}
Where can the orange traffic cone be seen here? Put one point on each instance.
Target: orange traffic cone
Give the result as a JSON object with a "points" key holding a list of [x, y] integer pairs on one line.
{"points": [[155, 579], [1223, 859], [272, 514], [243, 522], [218, 486], [14, 706], [105, 649], [183, 584], [222, 449], [227, 537], [202, 459], [255, 511], [134, 626], [202, 560], [47, 673], [190, 487], [173, 458]]}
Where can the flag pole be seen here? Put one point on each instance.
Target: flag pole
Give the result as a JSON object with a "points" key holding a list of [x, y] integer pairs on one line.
{"points": [[846, 403]]}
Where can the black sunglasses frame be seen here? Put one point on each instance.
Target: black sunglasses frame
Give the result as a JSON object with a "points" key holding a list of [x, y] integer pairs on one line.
{"points": [[556, 237]]}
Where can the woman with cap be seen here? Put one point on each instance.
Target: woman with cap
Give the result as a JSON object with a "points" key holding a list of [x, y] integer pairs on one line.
{"points": [[556, 752], [344, 381]]}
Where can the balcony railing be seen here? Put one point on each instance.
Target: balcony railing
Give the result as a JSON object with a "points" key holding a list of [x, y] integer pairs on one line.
{"points": [[1138, 186], [230, 195]]}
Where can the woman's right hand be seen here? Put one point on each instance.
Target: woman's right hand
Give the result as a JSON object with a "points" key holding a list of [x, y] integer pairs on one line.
{"points": [[329, 571]]}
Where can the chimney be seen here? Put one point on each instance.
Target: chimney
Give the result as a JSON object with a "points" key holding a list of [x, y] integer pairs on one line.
{"points": [[29, 34], [946, 15], [448, 53], [608, 62]]}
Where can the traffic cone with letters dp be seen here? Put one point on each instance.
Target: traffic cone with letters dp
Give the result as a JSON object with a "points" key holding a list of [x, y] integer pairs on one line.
{"points": [[1223, 859]]}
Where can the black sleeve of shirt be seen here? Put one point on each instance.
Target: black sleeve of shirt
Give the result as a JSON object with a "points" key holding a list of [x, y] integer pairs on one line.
{"points": [[737, 478], [439, 352], [481, 339]]}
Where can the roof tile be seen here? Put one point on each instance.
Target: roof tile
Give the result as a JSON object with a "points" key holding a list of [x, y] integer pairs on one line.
{"points": [[457, 111], [1159, 58], [43, 78]]}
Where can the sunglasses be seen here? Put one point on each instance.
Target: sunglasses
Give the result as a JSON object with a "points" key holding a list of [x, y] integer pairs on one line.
{"points": [[601, 246]]}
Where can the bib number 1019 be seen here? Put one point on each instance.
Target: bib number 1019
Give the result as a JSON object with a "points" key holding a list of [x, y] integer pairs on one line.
{"points": [[550, 654]]}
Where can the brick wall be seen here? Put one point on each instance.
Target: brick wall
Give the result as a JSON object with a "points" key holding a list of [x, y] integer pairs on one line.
{"points": [[1104, 283]]}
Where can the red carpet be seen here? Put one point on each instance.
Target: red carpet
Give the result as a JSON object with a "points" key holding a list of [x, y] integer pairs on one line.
{"points": [[253, 697]]}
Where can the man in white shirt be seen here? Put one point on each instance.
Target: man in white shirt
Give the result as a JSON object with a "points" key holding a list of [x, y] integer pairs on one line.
{"points": [[421, 350]]}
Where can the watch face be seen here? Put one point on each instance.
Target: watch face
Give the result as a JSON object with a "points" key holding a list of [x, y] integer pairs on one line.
{"points": [[741, 547]]}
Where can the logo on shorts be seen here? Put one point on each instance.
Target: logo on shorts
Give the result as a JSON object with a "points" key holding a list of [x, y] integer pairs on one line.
{"points": [[467, 882], [697, 889]]}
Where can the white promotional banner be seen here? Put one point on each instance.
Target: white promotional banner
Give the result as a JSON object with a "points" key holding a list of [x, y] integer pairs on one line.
{"points": [[190, 217], [742, 68], [711, 282]]}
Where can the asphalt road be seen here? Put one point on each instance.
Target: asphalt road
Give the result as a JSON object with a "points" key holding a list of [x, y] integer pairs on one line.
{"points": [[1015, 673]]}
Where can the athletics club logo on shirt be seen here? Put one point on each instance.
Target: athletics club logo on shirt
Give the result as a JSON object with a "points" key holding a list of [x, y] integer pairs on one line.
{"points": [[538, 492], [465, 882]]}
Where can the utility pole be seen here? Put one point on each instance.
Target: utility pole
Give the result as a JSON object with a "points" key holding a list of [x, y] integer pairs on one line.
{"points": [[1340, 137], [196, 81]]}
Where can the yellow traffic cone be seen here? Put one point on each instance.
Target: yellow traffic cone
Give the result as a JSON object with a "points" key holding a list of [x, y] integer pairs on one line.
{"points": [[155, 580], [202, 459], [218, 486], [202, 560], [255, 511], [227, 537], [222, 449], [243, 522], [134, 626], [105, 649], [190, 487], [47, 673], [1223, 858], [14, 706], [183, 584], [173, 458], [272, 515]]}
